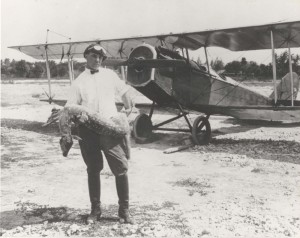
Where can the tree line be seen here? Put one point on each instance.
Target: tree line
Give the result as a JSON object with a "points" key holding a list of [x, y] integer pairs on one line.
{"points": [[24, 69], [242, 68], [250, 69]]}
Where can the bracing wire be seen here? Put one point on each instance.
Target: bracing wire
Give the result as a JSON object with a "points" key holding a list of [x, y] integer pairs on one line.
{"points": [[226, 95], [67, 37], [214, 91]]}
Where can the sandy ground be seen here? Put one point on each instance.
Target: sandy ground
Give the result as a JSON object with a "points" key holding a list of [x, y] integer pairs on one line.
{"points": [[246, 183]]}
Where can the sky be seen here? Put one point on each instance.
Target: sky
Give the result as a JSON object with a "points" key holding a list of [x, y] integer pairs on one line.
{"points": [[26, 22]]}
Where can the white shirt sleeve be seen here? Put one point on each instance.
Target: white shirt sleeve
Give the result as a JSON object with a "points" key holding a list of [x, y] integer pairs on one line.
{"points": [[120, 86], [74, 96]]}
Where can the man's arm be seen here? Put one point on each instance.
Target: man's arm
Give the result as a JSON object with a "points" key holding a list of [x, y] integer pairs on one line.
{"points": [[74, 96], [123, 91], [127, 101]]}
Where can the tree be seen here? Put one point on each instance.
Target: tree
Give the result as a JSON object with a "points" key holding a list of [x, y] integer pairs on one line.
{"points": [[12, 68], [243, 61], [199, 61], [244, 65], [217, 64], [252, 69], [265, 71], [80, 66], [53, 69], [5, 66], [22, 68], [38, 70], [233, 67], [282, 63], [62, 69]]}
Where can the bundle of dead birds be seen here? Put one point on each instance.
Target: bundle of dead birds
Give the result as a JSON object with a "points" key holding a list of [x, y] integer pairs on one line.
{"points": [[116, 126]]}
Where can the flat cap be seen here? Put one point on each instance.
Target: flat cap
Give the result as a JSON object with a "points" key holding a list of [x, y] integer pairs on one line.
{"points": [[97, 49]]}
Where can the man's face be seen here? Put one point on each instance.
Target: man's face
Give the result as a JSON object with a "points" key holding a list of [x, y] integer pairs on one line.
{"points": [[93, 60]]}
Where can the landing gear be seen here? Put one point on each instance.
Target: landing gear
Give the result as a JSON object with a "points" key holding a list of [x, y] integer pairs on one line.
{"points": [[201, 131], [142, 128]]}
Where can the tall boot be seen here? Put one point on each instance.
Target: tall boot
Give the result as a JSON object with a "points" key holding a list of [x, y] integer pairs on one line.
{"points": [[94, 184], [123, 194]]}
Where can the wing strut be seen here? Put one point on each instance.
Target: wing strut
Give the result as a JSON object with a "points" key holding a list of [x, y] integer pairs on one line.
{"points": [[274, 68], [205, 50], [123, 73], [70, 69], [48, 74], [122, 67], [70, 64], [291, 74]]}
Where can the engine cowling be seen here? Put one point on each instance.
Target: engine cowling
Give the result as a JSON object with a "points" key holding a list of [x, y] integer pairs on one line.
{"points": [[141, 76]]}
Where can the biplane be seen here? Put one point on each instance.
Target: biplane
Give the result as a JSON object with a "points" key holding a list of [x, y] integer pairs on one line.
{"points": [[161, 69]]}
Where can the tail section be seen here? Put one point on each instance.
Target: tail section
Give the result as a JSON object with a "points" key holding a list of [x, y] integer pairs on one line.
{"points": [[284, 88]]}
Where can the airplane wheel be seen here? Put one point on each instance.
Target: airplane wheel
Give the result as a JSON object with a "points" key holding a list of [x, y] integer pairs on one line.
{"points": [[142, 128], [201, 131]]}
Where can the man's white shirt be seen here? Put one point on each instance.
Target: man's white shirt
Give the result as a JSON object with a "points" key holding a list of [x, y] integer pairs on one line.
{"points": [[97, 91]]}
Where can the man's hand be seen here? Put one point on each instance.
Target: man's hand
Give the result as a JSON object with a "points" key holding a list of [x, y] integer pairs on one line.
{"points": [[127, 111], [131, 110], [83, 117]]}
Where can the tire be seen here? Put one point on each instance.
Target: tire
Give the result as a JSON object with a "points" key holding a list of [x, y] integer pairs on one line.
{"points": [[201, 131], [142, 128]]}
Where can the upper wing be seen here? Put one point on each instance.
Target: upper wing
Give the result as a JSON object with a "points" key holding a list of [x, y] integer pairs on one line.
{"points": [[286, 34]]}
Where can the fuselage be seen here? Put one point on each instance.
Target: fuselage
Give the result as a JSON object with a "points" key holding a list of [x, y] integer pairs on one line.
{"points": [[197, 88]]}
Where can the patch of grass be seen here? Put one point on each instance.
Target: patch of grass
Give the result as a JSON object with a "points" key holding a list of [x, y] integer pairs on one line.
{"points": [[205, 232], [256, 170], [168, 204], [194, 186], [244, 163], [35, 95], [153, 207], [31, 210], [6, 161], [189, 182], [5, 104], [178, 164], [180, 224]]}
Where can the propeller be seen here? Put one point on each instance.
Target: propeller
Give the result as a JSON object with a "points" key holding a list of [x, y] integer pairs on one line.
{"points": [[145, 63]]}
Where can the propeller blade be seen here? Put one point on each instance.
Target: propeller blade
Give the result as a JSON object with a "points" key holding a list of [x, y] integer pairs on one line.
{"points": [[156, 63], [145, 63], [115, 62]]}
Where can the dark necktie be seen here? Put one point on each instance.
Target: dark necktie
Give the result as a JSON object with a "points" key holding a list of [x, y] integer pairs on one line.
{"points": [[94, 71]]}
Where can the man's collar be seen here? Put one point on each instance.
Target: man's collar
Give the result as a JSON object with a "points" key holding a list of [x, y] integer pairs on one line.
{"points": [[92, 71]]}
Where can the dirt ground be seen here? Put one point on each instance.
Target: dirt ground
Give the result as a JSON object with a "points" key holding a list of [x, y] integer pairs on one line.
{"points": [[246, 183]]}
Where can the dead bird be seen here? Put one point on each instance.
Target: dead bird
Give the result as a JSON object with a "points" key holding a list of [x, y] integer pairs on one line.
{"points": [[116, 126]]}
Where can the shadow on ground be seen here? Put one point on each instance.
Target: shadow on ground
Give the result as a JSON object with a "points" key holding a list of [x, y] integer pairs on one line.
{"points": [[33, 126], [260, 123], [282, 151], [27, 213], [36, 219]]}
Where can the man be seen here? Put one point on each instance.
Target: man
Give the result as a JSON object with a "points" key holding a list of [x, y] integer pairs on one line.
{"points": [[95, 89]]}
